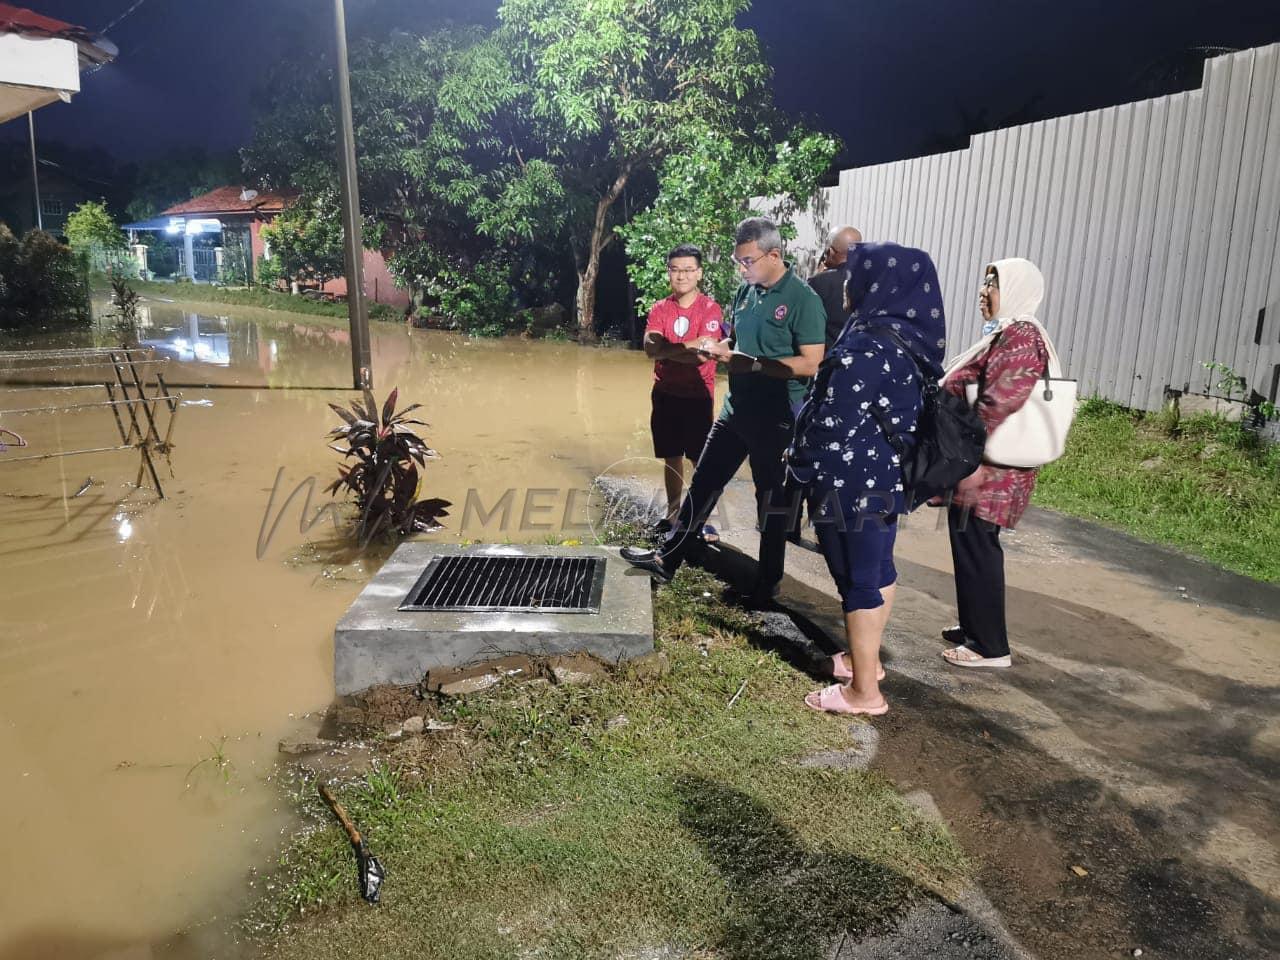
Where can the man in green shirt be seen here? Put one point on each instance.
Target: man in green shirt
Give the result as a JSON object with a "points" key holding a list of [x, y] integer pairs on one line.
{"points": [[779, 327]]}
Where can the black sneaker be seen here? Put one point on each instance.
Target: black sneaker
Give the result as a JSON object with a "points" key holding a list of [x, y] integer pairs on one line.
{"points": [[647, 560], [754, 601], [954, 636]]}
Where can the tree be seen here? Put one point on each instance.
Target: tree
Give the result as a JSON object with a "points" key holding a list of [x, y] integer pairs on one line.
{"points": [[306, 239], [92, 233], [703, 193], [89, 226], [403, 171], [572, 99]]}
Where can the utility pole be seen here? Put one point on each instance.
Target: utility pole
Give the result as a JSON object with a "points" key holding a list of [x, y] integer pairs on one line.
{"points": [[35, 171], [353, 245]]}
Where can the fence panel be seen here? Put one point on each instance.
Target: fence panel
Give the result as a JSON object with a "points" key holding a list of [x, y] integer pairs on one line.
{"points": [[1156, 224]]}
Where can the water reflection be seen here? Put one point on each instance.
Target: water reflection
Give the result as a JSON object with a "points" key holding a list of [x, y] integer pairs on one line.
{"points": [[191, 344]]}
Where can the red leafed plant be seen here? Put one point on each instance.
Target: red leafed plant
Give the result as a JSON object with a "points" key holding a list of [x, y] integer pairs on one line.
{"points": [[384, 478]]}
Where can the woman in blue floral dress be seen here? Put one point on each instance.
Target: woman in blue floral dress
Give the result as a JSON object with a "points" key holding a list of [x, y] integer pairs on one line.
{"points": [[868, 387]]}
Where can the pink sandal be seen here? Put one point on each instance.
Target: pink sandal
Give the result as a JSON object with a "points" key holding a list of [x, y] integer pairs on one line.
{"points": [[840, 673], [831, 700], [962, 656]]}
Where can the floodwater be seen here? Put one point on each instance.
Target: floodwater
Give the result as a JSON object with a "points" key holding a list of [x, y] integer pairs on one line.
{"points": [[153, 652]]}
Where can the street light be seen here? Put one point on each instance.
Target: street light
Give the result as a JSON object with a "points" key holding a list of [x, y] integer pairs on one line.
{"points": [[353, 245]]}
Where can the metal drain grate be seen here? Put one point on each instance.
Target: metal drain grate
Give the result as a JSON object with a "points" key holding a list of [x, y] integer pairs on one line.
{"points": [[519, 584]]}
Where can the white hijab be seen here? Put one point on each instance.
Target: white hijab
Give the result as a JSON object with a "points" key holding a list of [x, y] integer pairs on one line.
{"points": [[1021, 290]]}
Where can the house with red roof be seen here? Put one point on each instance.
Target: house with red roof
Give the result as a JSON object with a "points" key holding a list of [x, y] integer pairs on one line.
{"points": [[236, 214], [228, 222]]}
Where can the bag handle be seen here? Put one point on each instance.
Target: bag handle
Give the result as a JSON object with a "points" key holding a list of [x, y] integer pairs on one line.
{"points": [[1052, 369]]}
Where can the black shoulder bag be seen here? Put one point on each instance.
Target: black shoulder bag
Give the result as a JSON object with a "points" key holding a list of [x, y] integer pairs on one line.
{"points": [[949, 436]]}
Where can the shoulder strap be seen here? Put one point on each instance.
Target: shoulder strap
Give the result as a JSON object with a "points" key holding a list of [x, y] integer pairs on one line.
{"points": [[926, 378], [895, 440]]}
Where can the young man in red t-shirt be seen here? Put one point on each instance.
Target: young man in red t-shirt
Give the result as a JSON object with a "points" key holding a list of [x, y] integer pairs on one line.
{"points": [[684, 378]]}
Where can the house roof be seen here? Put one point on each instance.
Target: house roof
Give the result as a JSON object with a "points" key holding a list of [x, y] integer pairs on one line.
{"points": [[230, 200], [93, 49]]}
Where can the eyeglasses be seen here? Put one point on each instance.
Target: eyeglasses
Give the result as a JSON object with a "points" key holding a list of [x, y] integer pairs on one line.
{"points": [[992, 281], [746, 262], [683, 271]]}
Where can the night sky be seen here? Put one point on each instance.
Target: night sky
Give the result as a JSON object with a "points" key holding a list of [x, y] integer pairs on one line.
{"points": [[893, 78]]}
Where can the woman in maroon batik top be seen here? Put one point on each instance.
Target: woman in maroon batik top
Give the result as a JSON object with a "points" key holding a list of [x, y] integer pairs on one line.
{"points": [[1006, 364]]}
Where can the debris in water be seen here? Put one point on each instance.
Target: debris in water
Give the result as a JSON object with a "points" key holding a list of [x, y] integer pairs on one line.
{"points": [[14, 441], [83, 488]]}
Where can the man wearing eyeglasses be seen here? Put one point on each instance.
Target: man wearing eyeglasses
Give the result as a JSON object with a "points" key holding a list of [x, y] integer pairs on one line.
{"points": [[778, 341], [680, 328]]}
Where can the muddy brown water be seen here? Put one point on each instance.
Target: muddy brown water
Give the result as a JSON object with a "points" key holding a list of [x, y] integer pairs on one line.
{"points": [[151, 660]]}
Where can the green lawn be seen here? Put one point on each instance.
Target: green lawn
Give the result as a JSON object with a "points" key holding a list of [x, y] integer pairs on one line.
{"points": [[262, 299], [1203, 485], [551, 831]]}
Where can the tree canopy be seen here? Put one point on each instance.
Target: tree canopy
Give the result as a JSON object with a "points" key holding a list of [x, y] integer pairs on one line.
{"points": [[703, 193], [570, 100], [506, 152], [91, 226], [306, 239]]}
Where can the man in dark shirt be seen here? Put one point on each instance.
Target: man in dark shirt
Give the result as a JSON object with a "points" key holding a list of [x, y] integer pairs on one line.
{"points": [[829, 283], [777, 347]]}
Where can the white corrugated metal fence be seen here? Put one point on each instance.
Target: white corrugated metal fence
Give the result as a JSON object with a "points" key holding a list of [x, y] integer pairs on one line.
{"points": [[1155, 224]]}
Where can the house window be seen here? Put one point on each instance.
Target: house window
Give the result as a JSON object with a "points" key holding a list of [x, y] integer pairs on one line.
{"points": [[51, 206]]}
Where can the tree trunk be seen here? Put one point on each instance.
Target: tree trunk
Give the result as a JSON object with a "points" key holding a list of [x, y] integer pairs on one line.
{"points": [[586, 299], [601, 234]]}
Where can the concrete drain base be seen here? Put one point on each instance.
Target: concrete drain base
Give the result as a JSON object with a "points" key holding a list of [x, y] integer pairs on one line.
{"points": [[376, 643]]}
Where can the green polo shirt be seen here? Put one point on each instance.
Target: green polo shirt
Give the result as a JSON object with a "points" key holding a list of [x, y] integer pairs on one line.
{"points": [[773, 323]]}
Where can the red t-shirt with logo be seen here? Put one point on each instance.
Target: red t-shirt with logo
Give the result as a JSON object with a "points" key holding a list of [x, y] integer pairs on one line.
{"points": [[702, 318]]}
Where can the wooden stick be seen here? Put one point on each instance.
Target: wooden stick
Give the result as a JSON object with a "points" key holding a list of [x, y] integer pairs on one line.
{"points": [[737, 695], [340, 812]]}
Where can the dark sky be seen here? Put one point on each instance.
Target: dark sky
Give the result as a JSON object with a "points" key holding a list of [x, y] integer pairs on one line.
{"points": [[891, 77]]}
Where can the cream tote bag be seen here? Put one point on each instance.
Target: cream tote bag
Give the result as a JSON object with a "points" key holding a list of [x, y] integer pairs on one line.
{"points": [[1036, 433]]}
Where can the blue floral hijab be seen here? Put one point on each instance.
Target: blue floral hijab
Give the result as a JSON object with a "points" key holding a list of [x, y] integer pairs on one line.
{"points": [[897, 287], [841, 453]]}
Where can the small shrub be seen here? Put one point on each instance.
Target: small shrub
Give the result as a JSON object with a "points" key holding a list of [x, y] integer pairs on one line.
{"points": [[126, 301], [477, 301], [42, 281], [270, 272], [384, 479], [236, 258]]}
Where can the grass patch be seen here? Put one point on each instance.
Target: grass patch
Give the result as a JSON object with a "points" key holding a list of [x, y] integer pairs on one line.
{"points": [[1204, 485], [561, 830], [262, 299]]}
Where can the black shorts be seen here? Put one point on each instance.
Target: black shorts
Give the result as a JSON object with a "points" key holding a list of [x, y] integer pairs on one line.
{"points": [[680, 424]]}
